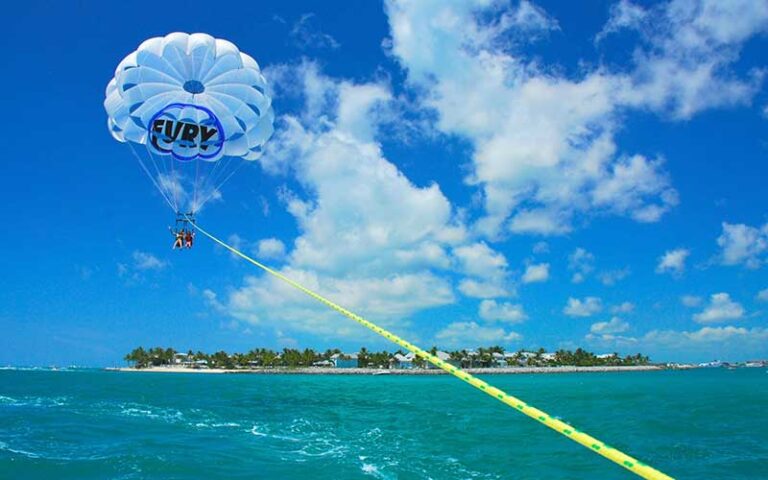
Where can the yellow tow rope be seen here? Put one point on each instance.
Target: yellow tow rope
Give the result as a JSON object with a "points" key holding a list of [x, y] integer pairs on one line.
{"points": [[633, 465]]}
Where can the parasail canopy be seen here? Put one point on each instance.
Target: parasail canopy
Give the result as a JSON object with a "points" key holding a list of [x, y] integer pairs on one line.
{"points": [[196, 106]]}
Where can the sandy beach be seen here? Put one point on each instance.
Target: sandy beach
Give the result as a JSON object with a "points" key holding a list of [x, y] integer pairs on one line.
{"points": [[373, 371]]}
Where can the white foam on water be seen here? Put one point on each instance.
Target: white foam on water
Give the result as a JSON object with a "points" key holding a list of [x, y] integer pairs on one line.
{"points": [[144, 411], [43, 402], [217, 425], [322, 449], [4, 446], [227, 424], [372, 470], [257, 430]]}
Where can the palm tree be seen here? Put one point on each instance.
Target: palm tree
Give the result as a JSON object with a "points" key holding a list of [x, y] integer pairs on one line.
{"points": [[362, 357]]}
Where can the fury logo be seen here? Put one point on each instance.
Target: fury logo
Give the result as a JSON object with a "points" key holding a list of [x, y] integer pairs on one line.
{"points": [[188, 138], [189, 133]]}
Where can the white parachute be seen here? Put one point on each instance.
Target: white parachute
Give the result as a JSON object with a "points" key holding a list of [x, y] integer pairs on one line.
{"points": [[196, 106]]}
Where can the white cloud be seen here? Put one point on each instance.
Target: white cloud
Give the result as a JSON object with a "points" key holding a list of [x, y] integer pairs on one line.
{"points": [[306, 34], [544, 149], [711, 334], [529, 18], [541, 247], [536, 273], [582, 308], [544, 146], [720, 309], [743, 244], [479, 260], [478, 289], [684, 63], [673, 261], [613, 326], [504, 312], [581, 262], [625, 307], [368, 237], [691, 300], [610, 278], [623, 15], [141, 266], [147, 261], [487, 267], [270, 248], [470, 334], [762, 295], [708, 343]]}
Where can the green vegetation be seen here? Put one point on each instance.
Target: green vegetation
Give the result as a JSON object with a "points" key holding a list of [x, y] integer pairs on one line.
{"points": [[494, 356]]}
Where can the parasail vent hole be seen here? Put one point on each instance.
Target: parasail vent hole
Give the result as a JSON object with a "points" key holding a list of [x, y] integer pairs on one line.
{"points": [[193, 86]]}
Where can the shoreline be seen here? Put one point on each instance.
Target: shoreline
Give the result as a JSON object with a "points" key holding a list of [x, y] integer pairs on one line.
{"points": [[374, 371]]}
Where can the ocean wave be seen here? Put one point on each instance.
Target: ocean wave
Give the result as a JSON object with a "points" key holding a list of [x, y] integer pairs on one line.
{"points": [[262, 431], [372, 470], [216, 425], [4, 446], [50, 456], [166, 414], [11, 368], [33, 401]]}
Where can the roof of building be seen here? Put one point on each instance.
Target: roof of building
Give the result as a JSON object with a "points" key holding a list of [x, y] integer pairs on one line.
{"points": [[408, 357]]}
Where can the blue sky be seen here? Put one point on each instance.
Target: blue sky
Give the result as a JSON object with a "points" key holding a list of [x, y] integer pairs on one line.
{"points": [[466, 173]]}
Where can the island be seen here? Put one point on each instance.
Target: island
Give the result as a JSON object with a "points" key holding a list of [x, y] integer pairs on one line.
{"points": [[486, 360]]}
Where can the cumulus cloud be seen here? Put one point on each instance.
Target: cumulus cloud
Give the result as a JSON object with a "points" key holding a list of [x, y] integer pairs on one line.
{"points": [[613, 326], [582, 308], [528, 18], [623, 15], [147, 261], [141, 265], [742, 244], [720, 309], [762, 295], [625, 307], [544, 144], [581, 263], [479, 289], [673, 261], [710, 335], [270, 248], [610, 278], [544, 149], [368, 236], [479, 260], [536, 273], [707, 343], [684, 62], [269, 302], [504, 312], [471, 334], [691, 300], [485, 267], [306, 34]]}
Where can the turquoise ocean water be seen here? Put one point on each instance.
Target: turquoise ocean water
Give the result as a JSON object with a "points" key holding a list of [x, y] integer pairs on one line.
{"points": [[88, 424]]}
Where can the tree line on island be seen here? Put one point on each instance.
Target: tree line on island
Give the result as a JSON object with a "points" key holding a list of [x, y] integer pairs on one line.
{"points": [[495, 356]]}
